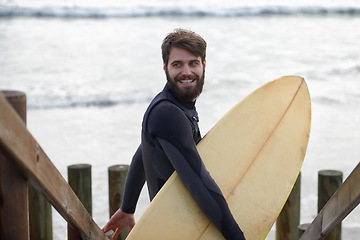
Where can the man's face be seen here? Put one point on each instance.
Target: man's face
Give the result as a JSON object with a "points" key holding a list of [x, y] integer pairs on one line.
{"points": [[185, 74]]}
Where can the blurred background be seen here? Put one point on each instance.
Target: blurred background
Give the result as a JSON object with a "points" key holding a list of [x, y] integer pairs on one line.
{"points": [[90, 68]]}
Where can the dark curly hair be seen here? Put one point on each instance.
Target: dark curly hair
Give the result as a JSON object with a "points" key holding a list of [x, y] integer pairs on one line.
{"points": [[184, 39]]}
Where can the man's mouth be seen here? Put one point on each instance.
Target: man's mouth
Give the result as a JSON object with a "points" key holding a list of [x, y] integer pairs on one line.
{"points": [[187, 81]]}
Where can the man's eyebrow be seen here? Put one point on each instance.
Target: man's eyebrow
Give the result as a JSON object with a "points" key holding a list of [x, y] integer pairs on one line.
{"points": [[190, 61], [175, 62]]}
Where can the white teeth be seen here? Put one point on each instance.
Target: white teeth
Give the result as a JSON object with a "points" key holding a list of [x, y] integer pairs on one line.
{"points": [[186, 81]]}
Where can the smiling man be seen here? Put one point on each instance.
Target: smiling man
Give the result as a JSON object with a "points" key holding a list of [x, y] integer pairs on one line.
{"points": [[185, 74], [169, 136]]}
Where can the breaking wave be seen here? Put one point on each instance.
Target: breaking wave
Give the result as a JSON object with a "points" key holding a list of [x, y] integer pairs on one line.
{"points": [[143, 10]]}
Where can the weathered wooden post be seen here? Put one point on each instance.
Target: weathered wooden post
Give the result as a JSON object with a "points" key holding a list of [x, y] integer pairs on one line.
{"points": [[289, 218], [40, 214], [328, 182], [117, 176], [14, 215], [79, 179]]}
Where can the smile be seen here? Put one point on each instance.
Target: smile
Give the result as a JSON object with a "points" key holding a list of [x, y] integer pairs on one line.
{"points": [[187, 81]]}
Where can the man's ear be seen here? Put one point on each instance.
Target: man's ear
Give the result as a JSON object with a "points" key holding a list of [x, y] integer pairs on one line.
{"points": [[164, 66], [204, 63]]}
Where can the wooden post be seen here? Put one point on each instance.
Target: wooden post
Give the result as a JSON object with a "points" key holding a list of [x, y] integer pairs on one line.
{"points": [[40, 213], [289, 218], [14, 215], [117, 176], [79, 178], [328, 183]]}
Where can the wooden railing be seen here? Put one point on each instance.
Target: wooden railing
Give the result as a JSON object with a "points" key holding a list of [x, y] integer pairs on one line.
{"points": [[23, 156]]}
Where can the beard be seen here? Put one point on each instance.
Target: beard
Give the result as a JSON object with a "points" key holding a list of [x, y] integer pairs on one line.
{"points": [[185, 94]]}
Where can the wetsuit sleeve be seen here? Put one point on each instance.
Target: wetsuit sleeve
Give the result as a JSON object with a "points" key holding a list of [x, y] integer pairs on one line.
{"points": [[134, 183], [171, 128]]}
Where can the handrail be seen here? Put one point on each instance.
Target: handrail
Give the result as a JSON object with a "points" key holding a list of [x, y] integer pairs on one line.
{"points": [[19, 146]]}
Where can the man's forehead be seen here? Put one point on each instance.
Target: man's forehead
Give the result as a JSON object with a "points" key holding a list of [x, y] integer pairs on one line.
{"points": [[180, 54]]}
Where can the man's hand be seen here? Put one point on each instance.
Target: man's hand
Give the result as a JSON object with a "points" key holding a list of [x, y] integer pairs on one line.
{"points": [[119, 220]]}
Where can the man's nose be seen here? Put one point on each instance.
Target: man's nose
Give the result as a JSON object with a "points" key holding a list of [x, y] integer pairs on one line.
{"points": [[186, 70]]}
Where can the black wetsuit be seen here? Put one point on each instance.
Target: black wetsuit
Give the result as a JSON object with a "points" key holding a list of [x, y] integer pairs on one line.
{"points": [[170, 133]]}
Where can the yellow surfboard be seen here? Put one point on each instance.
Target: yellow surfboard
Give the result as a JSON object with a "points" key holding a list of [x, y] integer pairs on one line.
{"points": [[254, 153]]}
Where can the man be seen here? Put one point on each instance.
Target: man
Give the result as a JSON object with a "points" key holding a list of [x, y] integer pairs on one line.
{"points": [[170, 133]]}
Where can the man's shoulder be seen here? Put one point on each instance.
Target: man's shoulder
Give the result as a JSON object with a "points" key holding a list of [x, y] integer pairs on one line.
{"points": [[163, 108], [166, 107]]}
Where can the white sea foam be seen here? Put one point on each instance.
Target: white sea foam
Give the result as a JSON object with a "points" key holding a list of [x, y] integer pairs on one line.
{"points": [[139, 8]]}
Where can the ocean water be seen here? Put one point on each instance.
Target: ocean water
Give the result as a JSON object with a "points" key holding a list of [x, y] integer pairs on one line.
{"points": [[90, 68]]}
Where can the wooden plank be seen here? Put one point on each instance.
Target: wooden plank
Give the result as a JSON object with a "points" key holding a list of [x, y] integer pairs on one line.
{"points": [[19, 146], [337, 208]]}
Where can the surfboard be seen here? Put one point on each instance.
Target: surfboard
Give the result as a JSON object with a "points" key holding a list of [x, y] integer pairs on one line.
{"points": [[254, 153]]}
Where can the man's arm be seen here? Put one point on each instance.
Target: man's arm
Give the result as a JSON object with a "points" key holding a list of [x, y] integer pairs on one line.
{"points": [[135, 181], [172, 130]]}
